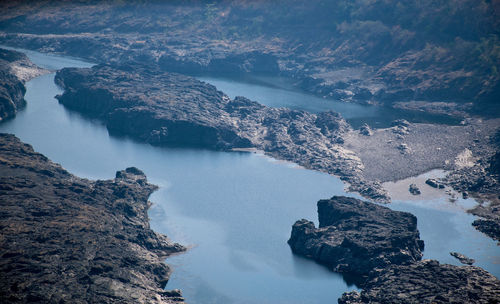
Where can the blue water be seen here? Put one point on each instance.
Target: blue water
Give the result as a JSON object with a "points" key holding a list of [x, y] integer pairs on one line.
{"points": [[278, 92], [235, 210]]}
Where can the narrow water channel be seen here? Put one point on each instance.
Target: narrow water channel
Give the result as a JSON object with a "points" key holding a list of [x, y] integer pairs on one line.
{"points": [[278, 92], [235, 210]]}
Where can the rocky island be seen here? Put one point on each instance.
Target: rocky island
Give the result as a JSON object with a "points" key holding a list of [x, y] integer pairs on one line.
{"points": [[381, 248], [355, 237], [65, 239], [68, 239]]}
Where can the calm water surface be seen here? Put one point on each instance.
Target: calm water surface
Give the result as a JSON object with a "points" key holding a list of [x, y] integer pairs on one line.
{"points": [[278, 92], [234, 209]]}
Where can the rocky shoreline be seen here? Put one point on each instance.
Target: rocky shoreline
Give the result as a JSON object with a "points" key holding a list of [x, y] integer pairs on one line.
{"points": [[71, 240], [381, 249], [15, 70], [355, 237], [365, 56], [427, 281], [163, 108]]}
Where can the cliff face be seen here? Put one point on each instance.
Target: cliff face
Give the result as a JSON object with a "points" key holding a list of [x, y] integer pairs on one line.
{"points": [[164, 108], [70, 240], [15, 70], [355, 237]]}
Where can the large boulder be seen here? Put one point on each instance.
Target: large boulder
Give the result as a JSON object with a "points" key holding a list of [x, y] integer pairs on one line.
{"points": [[355, 237]]}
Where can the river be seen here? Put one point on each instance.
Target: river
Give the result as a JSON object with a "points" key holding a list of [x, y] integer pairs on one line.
{"points": [[234, 210]]}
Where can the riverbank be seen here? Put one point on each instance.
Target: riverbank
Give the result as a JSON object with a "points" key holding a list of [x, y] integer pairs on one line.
{"points": [[170, 109], [15, 70], [429, 58], [65, 238]]}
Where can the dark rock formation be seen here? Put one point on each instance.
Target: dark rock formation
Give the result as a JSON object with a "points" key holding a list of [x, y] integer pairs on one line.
{"points": [[365, 130], [462, 258], [170, 109], [427, 282], [70, 240], [414, 189], [481, 180], [357, 52], [490, 227], [434, 183], [15, 70], [12, 89], [355, 237]]}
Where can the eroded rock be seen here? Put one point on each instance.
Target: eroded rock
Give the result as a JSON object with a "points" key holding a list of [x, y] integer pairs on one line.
{"points": [[355, 237], [462, 258], [71, 240], [427, 281]]}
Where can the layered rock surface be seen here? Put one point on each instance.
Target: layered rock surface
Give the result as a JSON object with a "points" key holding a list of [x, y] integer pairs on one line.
{"points": [[12, 88], [382, 249], [427, 282], [355, 237], [170, 109], [66, 239]]}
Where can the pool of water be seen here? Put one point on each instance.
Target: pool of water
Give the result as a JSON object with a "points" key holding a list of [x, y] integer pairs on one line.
{"points": [[234, 210]]}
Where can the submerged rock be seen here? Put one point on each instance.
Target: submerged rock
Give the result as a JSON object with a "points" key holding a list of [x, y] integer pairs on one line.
{"points": [[66, 239], [355, 237], [414, 189], [462, 258], [427, 282], [434, 183]]}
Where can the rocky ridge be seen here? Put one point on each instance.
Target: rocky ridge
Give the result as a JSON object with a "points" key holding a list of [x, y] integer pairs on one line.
{"points": [[66, 239], [355, 237], [164, 108], [409, 55]]}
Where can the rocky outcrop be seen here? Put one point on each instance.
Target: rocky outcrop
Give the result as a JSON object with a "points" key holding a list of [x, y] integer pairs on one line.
{"points": [[355, 237], [66, 239], [462, 258], [380, 250], [427, 282], [476, 174], [414, 189], [490, 227], [171, 109], [15, 70], [12, 89]]}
